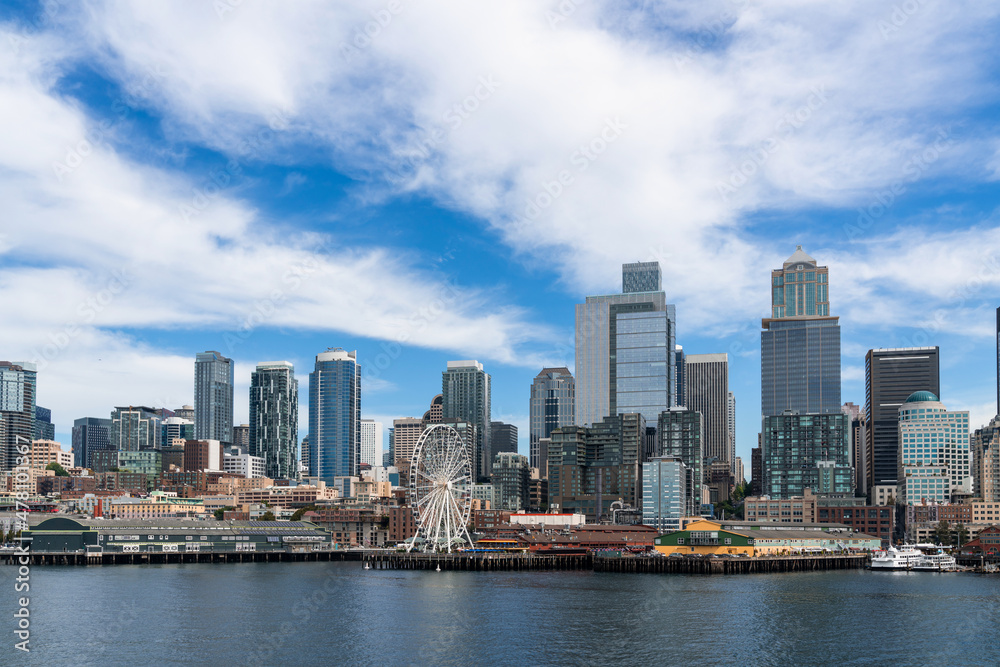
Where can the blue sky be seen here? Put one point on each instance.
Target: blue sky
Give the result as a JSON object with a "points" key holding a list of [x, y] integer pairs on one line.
{"points": [[446, 182]]}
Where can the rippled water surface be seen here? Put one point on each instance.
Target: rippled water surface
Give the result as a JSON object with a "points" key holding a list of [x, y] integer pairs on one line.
{"points": [[340, 614]]}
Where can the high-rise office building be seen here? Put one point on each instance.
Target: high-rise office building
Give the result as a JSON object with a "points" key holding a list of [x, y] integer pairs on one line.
{"points": [[135, 428], [43, 428], [592, 467], [804, 436], [625, 352], [681, 434], [800, 342], [435, 413], [403, 437], [641, 277], [891, 375], [731, 414], [680, 375], [90, 434], [465, 396], [708, 393], [806, 451], [503, 438], [334, 415], [18, 382], [371, 442], [800, 366], [274, 418], [934, 461], [552, 405], [800, 288], [213, 397], [756, 471]]}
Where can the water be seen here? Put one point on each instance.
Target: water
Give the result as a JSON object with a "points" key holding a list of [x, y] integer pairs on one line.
{"points": [[340, 614]]}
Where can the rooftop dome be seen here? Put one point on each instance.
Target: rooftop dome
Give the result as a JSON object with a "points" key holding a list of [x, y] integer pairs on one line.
{"points": [[922, 397]]}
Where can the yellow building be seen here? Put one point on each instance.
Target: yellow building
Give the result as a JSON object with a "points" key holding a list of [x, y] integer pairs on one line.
{"points": [[715, 538]]}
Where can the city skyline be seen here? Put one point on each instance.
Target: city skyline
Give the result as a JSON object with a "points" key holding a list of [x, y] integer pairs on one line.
{"points": [[280, 230]]}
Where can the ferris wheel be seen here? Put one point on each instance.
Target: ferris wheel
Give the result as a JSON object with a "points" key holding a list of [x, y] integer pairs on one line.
{"points": [[440, 490]]}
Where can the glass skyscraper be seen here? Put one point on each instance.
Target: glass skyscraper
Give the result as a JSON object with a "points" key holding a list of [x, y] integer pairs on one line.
{"points": [[805, 439], [665, 493], [641, 277], [335, 415], [90, 434], [552, 405], [625, 351], [213, 397], [18, 382], [274, 418], [800, 288], [892, 375]]}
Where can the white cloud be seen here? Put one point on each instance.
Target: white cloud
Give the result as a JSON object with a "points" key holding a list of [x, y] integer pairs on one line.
{"points": [[838, 102]]}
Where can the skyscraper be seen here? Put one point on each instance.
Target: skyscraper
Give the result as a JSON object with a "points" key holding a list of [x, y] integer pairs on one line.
{"points": [[804, 436], [43, 428], [274, 418], [934, 460], [731, 414], [891, 375], [371, 442], [552, 405], [680, 374], [625, 351], [708, 393], [18, 381], [503, 438], [213, 397], [90, 434], [800, 342], [465, 395], [334, 415], [641, 277], [681, 433], [135, 428]]}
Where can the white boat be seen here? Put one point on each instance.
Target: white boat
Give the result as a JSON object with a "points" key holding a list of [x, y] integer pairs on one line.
{"points": [[939, 562], [892, 558]]}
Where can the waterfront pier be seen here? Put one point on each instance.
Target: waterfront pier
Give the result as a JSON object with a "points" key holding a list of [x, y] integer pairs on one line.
{"points": [[478, 562]]}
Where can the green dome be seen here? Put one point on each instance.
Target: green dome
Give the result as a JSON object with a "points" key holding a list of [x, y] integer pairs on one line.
{"points": [[922, 397]]}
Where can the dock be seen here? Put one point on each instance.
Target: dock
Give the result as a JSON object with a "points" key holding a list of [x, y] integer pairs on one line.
{"points": [[476, 562]]}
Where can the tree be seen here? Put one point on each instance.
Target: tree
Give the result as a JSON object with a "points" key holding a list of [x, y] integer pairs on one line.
{"points": [[942, 533], [962, 534], [267, 516], [297, 516], [60, 471], [222, 510]]}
